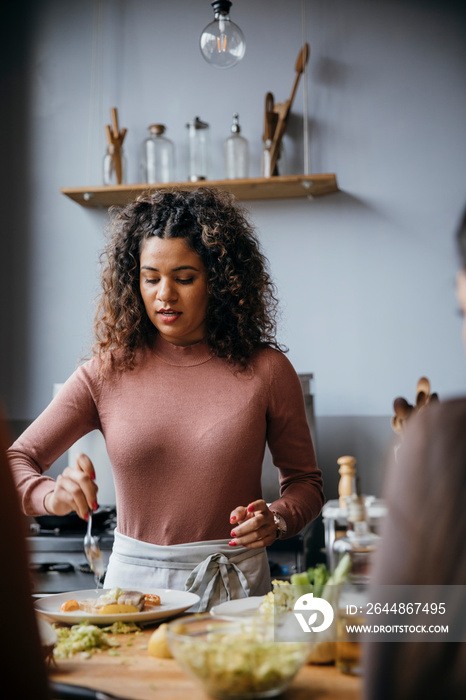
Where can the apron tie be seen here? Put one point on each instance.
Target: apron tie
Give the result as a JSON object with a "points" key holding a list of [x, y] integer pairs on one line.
{"points": [[217, 568]]}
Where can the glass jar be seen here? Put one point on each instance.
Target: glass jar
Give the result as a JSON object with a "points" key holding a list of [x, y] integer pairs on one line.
{"points": [[236, 153], [351, 614], [198, 148], [359, 542], [281, 167], [158, 156], [114, 166]]}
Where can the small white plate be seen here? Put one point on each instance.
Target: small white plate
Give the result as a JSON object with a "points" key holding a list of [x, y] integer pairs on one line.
{"points": [[171, 603], [241, 607]]}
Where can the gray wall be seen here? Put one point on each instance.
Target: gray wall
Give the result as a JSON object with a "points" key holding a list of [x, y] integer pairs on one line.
{"points": [[365, 276]]}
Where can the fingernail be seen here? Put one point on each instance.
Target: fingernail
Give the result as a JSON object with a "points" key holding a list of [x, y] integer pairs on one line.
{"points": [[232, 543], [232, 533], [86, 517], [95, 505], [93, 476], [250, 509], [233, 519]]}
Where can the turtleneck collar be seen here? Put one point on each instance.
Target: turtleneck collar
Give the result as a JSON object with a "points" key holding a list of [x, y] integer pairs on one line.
{"points": [[182, 355]]}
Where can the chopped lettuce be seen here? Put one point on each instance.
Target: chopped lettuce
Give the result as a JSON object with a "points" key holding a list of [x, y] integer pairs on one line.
{"points": [[83, 638], [248, 661]]}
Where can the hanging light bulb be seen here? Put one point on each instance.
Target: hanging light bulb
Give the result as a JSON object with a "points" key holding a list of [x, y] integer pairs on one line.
{"points": [[222, 41]]}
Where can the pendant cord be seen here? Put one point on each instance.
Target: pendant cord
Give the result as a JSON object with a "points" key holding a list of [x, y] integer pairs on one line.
{"points": [[305, 94], [95, 90]]}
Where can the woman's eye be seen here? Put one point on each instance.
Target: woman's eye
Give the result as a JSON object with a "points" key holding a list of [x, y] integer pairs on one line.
{"points": [[151, 281], [188, 280]]}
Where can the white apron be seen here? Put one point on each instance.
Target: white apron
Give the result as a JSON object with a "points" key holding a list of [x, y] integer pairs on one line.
{"points": [[212, 569]]}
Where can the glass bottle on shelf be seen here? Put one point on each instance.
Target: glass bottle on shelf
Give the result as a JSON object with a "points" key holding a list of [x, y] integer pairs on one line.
{"points": [[265, 162], [114, 166], [158, 157], [281, 167], [236, 153], [198, 148]]}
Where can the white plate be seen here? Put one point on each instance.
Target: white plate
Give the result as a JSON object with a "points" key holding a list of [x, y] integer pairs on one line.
{"points": [[171, 603], [242, 607]]}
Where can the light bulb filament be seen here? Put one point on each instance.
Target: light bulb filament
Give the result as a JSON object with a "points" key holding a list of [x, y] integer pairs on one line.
{"points": [[222, 43]]}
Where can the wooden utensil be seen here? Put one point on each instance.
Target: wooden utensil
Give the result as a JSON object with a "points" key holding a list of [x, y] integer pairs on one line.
{"points": [[282, 110], [270, 118], [403, 409], [115, 139]]}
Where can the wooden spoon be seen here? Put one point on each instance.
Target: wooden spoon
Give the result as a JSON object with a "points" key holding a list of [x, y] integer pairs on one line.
{"points": [[402, 408], [422, 392], [283, 109]]}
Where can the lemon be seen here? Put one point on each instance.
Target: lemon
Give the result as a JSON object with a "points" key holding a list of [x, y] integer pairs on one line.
{"points": [[116, 609], [158, 646]]}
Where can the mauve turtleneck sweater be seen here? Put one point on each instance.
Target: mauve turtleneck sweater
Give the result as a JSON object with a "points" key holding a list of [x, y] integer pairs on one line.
{"points": [[186, 435]]}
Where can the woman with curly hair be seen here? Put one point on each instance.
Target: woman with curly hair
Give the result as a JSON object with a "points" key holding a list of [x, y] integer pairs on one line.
{"points": [[187, 384]]}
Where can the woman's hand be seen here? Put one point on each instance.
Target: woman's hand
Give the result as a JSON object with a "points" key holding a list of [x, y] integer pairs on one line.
{"points": [[253, 526], [75, 490]]}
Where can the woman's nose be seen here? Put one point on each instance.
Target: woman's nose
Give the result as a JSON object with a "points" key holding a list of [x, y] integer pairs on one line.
{"points": [[166, 291]]}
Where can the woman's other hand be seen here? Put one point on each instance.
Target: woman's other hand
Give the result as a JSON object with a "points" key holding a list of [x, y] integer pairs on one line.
{"points": [[252, 526], [75, 490]]}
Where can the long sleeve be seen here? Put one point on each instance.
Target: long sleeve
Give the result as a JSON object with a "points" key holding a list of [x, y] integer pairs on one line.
{"points": [[70, 415], [290, 442], [185, 434]]}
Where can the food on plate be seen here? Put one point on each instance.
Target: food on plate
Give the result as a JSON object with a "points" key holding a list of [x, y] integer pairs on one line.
{"points": [[114, 602], [117, 609], [151, 600]]}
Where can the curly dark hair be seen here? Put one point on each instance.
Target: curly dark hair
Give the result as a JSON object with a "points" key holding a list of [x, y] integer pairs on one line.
{"points": [[242, 307]]}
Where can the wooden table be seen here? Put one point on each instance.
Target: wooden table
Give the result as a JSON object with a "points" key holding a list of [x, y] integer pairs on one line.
{"points": [[136, 675]]}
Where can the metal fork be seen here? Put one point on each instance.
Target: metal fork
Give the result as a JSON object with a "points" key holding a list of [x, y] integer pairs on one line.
{"points": [[93, 553]]}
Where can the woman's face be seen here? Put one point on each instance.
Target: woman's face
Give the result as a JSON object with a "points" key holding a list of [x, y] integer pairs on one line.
{"points": [[173, 284], [461, 294]]}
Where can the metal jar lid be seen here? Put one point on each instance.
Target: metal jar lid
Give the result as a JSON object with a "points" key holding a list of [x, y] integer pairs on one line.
{"points": [[196, 123]]}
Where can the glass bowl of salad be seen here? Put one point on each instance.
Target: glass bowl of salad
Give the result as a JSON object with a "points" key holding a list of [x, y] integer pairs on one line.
{"points": [[235, 658]]}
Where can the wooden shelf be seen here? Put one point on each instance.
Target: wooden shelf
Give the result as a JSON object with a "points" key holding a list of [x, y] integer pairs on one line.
{"points": [[279, 187]]}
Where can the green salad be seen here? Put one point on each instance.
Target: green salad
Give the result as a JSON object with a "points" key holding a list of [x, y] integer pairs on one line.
{"points": [[240, 662]]}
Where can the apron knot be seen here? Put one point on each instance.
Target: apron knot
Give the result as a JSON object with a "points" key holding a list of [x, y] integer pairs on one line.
{"points": [[218, 570]]}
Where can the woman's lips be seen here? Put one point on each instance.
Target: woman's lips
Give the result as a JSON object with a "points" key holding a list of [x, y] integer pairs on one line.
{"points": [[168, 316]]}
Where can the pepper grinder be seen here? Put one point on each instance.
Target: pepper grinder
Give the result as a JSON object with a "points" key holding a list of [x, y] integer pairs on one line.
{"points": [[347, 483]]}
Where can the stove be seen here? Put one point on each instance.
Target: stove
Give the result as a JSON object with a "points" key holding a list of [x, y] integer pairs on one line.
{"points": [[57, 562]]}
